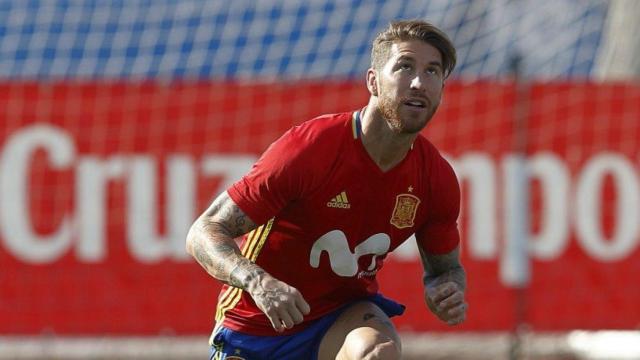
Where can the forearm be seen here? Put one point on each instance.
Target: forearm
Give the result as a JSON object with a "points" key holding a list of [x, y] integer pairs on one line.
{"points": [[442, 269], [455, 274], [217, 252], [211, 241]]}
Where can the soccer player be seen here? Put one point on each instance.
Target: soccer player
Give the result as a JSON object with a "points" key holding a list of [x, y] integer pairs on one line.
{"points": [[322, 208]]}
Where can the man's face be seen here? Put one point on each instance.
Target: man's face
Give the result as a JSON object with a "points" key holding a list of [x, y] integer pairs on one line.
{"points": [[410, 85]]}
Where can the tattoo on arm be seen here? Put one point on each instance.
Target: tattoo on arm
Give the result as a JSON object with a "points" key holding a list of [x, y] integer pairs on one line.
{"points": [[442, 268], [201, 255], [244, 274], [211, 242], [225, 216]]}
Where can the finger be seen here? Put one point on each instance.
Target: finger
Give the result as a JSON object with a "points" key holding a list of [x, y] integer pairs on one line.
{"points": [[285, 319], [456, 311], [302, 304], [455, 299], [296, 315], [457, 320], [443, 291], [275, 320], [457, 315]]}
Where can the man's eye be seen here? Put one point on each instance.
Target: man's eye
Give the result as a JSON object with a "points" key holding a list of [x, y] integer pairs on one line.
{"points": [[433, 71], [405, 66]]}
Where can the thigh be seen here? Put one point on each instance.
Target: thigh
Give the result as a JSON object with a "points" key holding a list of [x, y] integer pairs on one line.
{"points": [[364, 322]]}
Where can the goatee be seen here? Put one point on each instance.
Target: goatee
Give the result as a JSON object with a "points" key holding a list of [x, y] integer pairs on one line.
{"points": [[410, 125]]}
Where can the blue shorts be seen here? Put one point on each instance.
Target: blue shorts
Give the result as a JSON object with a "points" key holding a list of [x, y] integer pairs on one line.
{"points": [[304, 345]]}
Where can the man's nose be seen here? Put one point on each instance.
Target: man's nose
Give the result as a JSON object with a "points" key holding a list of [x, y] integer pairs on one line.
{"points": [[416, 83]]}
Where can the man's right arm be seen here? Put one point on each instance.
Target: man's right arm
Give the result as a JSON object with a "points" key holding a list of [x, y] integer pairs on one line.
{"points": [[211, 242]]}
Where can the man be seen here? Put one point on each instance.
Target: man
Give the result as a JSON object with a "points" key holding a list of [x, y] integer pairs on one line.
{"points": [[324, 205]]}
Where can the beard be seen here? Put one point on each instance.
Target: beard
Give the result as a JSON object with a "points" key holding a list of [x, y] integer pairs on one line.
{"points": [[410, 123]]}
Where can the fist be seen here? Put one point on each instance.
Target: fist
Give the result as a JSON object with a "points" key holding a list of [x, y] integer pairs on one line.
{"points": [[281, 303], [446, 301]]}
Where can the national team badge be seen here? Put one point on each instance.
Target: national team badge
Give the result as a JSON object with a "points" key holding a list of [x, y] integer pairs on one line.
{"points": [[405, 211]]}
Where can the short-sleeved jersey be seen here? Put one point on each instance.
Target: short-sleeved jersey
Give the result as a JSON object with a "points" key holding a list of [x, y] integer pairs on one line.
{"points": [[330, 216]]}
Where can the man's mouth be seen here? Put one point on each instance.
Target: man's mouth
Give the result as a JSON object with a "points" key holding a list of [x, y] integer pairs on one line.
{"points": [[417, 103]]}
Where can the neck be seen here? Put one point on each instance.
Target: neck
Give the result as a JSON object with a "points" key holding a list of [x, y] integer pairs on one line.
{"points": [[385, 146]]}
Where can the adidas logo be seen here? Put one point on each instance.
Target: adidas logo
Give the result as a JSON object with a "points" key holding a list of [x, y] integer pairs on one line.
{"points": [[340, 201]]}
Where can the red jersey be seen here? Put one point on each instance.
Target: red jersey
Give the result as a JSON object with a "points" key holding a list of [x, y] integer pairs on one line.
{"points": [[330, 215]]}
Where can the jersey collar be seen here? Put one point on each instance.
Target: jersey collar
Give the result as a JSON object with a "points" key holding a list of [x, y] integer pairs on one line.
{"points": [[356, 125]]}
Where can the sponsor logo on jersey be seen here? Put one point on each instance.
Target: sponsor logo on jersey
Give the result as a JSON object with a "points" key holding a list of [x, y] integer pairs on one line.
{"points": [[344, 262], [340, 201], [405, 211]]}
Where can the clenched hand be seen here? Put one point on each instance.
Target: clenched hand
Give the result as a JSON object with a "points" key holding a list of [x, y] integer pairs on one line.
{"points": [[283, 304], [446, 301]]}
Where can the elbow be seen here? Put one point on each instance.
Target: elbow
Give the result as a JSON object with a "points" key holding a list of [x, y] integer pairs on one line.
{"points": [[190, 240]]}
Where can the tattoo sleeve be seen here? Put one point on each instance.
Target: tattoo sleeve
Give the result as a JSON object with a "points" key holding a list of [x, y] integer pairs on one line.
{"points": [[211, 241], [442, 268]]}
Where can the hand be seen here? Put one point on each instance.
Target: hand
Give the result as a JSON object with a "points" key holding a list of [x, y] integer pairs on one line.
{"points": [[283, 304], [446, 301]]}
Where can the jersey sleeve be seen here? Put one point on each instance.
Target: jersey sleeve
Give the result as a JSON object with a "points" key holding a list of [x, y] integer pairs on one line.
{"points": [[439, 235], [278, 177]]}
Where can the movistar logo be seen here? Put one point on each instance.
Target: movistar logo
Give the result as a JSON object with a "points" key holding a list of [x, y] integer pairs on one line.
{"points": [[344, 262], [340, 201]]}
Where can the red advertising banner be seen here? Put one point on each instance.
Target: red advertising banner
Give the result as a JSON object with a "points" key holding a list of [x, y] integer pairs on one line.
{"points": [[99, 184]]}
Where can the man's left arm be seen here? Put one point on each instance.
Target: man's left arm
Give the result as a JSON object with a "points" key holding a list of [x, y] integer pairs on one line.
{"points": [[445, 282]]}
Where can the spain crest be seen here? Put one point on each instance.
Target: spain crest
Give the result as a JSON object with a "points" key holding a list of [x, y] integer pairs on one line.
{"points": [[405, 211]]}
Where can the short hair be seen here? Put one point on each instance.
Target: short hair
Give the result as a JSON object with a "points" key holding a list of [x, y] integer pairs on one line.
{"points": [[413, 30]]}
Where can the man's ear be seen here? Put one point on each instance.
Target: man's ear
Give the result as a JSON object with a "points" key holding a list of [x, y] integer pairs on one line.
{"points": [[372, 83]]}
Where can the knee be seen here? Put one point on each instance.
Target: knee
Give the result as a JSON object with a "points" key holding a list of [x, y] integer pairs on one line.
{"points": [[382, 351], [371, 346]]}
